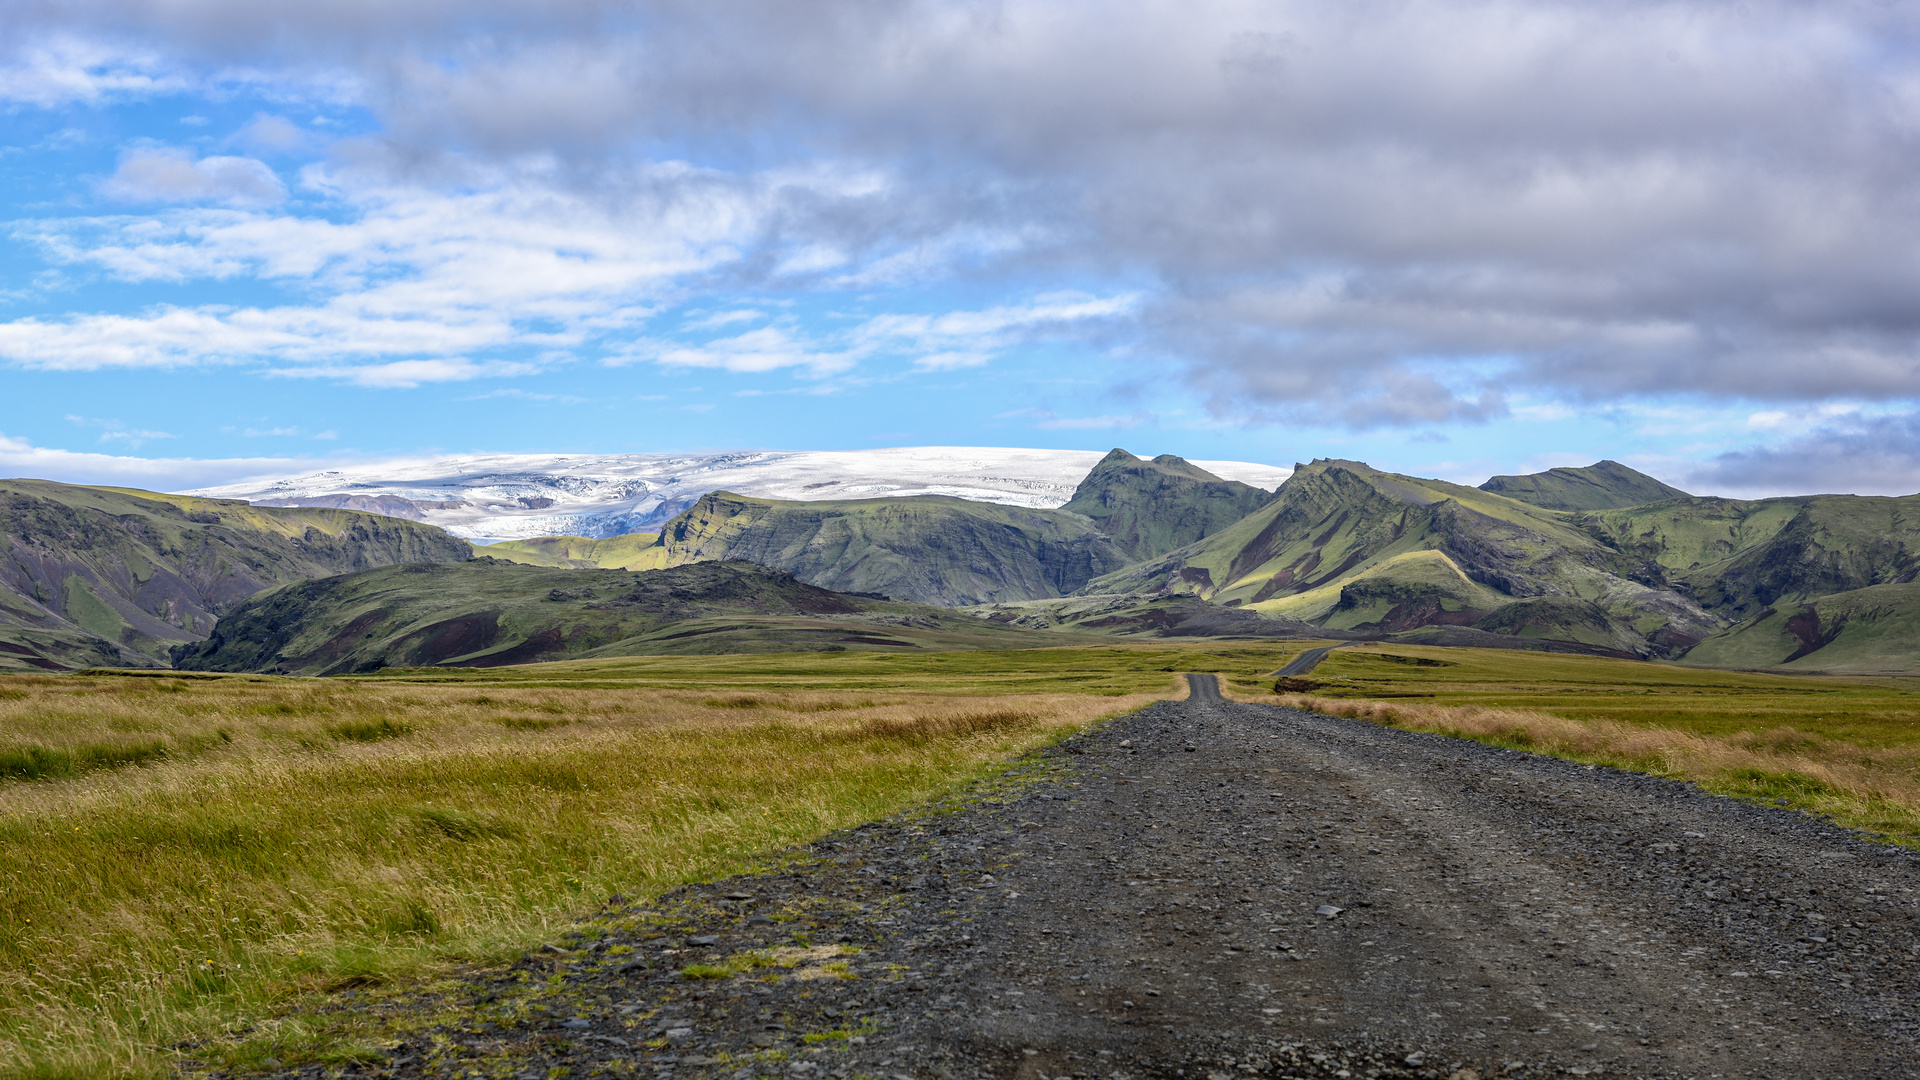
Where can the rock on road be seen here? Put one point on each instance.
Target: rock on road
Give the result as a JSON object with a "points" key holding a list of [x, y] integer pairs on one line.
{"points": [[1205, 889]]}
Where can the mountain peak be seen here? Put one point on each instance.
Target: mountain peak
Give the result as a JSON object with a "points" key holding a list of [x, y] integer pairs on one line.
{"points": [[1152, 507], [1603, 485]]}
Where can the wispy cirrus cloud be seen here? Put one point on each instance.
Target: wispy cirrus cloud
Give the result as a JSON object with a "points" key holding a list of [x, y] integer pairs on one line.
{"points": [[76, 68], [938, 342], [119, 431]]}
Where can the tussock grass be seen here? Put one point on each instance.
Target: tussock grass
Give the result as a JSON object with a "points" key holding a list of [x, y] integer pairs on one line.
{"points": [[271, 838]]}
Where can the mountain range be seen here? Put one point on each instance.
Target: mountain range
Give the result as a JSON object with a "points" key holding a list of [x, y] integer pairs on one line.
{"points": [[1602, 560]]}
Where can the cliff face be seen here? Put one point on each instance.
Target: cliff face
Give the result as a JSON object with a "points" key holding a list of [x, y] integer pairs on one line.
{"points": [[929, 548], [115, 576], [1149, 508]]}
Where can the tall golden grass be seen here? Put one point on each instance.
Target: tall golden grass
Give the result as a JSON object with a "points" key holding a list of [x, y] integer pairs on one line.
{"points": [[274, 838], [1876, 789]]}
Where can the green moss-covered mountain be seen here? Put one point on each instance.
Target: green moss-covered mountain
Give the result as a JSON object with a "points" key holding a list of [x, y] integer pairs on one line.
{"points": [[927, 548], [489, 612], [1349, 547], [1738, 557], [1875, 629], [113, 576], [1604, 485], [1352, 549], [1149, 508]]}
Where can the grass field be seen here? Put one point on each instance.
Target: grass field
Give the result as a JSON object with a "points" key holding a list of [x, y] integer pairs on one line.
{"points": [[1847, 747], [185, 856], [179, 856]]}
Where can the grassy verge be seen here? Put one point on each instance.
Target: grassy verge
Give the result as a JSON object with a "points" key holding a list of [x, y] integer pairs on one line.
{"points": [[184, 856], [1844, 747]]}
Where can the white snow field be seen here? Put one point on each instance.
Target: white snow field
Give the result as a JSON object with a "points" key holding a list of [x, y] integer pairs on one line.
{"points": [[492, 497]]}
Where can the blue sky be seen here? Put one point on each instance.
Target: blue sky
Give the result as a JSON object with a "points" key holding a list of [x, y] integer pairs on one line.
{"points": [[1448, 238]]}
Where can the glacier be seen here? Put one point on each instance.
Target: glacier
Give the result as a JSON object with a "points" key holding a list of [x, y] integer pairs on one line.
{"points": [[487, 498]]}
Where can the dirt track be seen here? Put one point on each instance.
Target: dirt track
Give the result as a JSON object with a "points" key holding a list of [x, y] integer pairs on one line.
{"points": [[1148, 900]]}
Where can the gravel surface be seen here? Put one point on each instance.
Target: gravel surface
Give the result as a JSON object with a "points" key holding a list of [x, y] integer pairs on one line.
{"points": [[1210, 890]]}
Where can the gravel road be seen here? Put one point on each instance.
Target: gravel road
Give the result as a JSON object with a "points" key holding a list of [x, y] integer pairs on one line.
{"points": [[1210, 890], [1305, 662]]}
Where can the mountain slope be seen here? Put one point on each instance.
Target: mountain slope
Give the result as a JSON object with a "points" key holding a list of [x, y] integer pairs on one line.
{"points": [[1149, 508], [1347, 546], [487, 613], [930, 549], [1739, 557], [115, 576], [1875, 629], [1604, 485]]}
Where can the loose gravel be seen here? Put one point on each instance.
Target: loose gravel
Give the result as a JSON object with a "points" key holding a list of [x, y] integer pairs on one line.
{"points": [[1211, 890]]}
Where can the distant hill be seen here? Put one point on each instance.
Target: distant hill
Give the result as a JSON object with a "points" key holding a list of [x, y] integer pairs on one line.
{"points": [[487, 613], [1604, 485], [113, 576], [1148, 508], [928, 548]]}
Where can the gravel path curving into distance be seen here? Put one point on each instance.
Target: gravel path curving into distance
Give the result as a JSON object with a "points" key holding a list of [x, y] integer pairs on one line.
{"points": [[1210, 890], [1304, 663]]}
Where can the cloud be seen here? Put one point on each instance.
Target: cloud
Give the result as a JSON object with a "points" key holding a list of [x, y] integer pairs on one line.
{"points": [[273, 134], [1868, 455], [766, 349], [943, 342], [156, 174], [62, 69], [118, 431], [1047, 420], [526, 395], [19, 457], [1372, 212], [407, 374], [405, 275]]}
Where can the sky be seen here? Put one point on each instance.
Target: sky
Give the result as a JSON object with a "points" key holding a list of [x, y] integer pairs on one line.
{"points": [[1450, 238]]}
